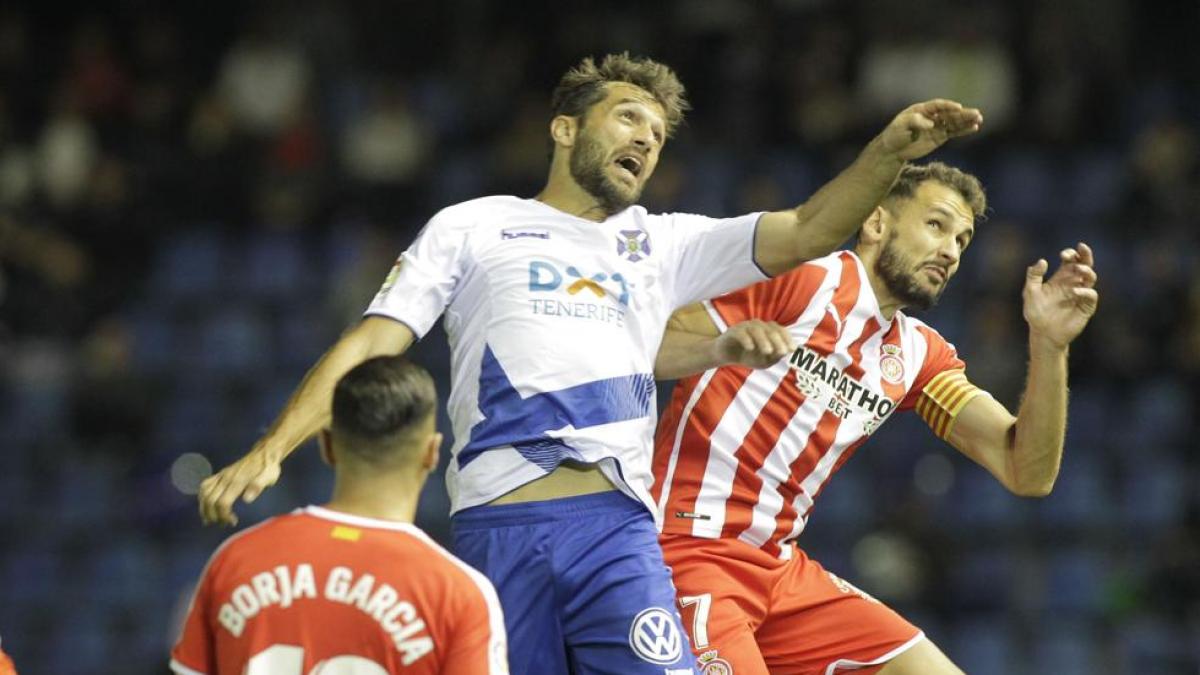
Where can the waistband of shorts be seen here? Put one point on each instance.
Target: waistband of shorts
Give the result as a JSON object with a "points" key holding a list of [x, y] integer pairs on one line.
{"points": [[550, 510]]}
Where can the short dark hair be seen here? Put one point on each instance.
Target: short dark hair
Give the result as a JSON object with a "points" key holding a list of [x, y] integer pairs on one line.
{"points": [[585, 85], [378, 404], [912, 175]]}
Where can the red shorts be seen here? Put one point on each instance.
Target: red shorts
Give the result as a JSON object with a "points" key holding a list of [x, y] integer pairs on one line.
{"points": [[750, 613]]}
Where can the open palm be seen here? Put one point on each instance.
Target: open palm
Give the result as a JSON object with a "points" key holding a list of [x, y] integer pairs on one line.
{"points": [[1058, 308]]}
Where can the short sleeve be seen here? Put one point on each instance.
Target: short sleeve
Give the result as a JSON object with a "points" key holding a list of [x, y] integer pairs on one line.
{"points": [[713, 255], [424, 278], [940, 357], [782, 299], [194, 653]]}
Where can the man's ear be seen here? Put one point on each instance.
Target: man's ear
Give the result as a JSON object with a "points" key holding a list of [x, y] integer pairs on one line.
{"points": [[325, 442], [874, 227], [563, 129], [433, 448]]}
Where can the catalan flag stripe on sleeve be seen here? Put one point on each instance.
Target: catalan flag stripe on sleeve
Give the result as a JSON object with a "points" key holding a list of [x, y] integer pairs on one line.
{"points": [[943, 398]]}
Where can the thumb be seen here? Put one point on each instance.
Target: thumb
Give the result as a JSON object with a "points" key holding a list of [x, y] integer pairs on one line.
{"points": [[1035, 272]]}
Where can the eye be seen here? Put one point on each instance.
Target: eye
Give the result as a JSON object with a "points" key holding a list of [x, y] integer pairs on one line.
{"points": [[935, 224], [628, 115]]}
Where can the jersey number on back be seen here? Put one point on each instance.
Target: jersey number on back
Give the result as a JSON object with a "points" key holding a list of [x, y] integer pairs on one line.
{"points": [[289, 660]]}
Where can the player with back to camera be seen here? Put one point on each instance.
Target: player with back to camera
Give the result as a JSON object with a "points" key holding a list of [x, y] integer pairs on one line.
{"points": [[555, 308], [351, 586], [741, 454]]}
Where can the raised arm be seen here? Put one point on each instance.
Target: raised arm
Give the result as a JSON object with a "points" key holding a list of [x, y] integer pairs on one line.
{"points": [[306, 413], [1024, 452], [832, 215], [693, 344]]}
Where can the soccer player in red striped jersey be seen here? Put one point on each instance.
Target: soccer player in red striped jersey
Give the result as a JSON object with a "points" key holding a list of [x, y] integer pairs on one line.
{"points": [[352, 586], [743, 452]]}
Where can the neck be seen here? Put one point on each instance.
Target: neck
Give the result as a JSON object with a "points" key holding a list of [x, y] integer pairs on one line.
{"points": [[564, 194], [386, 495], [888, 304]]}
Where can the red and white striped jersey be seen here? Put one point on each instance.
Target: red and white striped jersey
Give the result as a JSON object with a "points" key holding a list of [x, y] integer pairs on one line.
{"points": [[324, 591], [743, 453]]}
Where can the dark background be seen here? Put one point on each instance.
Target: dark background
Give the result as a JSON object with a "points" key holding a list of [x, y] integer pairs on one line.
{"points": [[195, 201]]}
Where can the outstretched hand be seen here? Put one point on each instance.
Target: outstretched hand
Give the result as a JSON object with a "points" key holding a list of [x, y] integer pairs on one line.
{"points": [[245, 478], [1058, 308], [921, 128], [754, 343]]}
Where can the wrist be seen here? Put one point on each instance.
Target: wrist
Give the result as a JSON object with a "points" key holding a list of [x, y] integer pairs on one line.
{"points": [[1043, 345], [880, 156]]}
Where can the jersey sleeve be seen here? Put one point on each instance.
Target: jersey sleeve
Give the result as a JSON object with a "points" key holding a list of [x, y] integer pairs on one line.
{"points": [[424, 278], [782, 299], [479, 644], [941, 389], [712, 256], [194, 653]]}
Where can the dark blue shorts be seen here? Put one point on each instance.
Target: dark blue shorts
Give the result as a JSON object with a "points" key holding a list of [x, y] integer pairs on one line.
{"points": [[583, 585]]}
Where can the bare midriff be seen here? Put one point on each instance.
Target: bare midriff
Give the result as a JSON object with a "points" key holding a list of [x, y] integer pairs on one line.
{"points": [[570, 479]]}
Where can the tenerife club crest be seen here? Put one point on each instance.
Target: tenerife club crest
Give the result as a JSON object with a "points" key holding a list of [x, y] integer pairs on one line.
{"points": [[633, 244]]}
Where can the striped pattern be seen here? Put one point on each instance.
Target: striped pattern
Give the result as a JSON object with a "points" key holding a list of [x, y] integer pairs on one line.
{"points": [[743, 453], [943, 398]]}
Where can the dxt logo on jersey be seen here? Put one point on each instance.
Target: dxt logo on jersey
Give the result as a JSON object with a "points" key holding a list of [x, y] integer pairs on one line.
{"points": [[545, 276], [655, 637]]}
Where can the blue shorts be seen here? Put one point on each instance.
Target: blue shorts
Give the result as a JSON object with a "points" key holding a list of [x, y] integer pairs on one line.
{"points": [[583, 585]]}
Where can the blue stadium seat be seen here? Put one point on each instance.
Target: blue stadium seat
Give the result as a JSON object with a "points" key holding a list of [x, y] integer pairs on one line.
{"points": [[1080, 497], [1065, 648], [1094, 185], [80, 641], [983, 580], [191, 417], [1022, 185], [87, 492], [273, 265], [189, 265], [984, 645], [127, 572], [1076, 580], [33, 573], [231, 342], [1154, 494], [155, 346]]}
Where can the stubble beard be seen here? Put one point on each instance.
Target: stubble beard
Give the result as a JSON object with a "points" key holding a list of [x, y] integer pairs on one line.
{"points": [[588, 169], [898, 273]]}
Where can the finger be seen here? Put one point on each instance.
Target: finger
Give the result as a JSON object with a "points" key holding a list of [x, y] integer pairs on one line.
{"points": [[254, 489], [938, 106], [210, 487], [1085, 254], [1088, 296], [1068, 255], [744, 341], [919, 122], [780, 340], [762, 342], [1085, 275], [1034, 274]]}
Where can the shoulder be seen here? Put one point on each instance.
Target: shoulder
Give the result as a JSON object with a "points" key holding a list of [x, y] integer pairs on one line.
{"points": [[473, 211], [463, 579], [246, 544]]}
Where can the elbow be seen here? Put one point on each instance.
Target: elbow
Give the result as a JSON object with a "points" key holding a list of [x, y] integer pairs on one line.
{"points": [[1032, 490]]}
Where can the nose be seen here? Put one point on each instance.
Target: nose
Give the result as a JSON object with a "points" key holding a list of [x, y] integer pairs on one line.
{"points": [[643, 137], [950, 251]]}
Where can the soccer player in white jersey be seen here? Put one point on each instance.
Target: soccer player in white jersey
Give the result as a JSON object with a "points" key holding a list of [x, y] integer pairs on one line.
{"points": [[742, 453], [555, 308]]}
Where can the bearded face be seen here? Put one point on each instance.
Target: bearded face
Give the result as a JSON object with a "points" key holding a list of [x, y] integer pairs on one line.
{"points": [[905, 279], [590, 168]]}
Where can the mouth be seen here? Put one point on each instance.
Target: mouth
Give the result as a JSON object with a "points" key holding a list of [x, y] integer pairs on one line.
{"points": [[937, 272], [630, 164]]}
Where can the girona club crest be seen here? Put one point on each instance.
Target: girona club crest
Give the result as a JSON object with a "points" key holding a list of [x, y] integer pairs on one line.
{"points": [[891, 366], [633, 244], [711, 664]]}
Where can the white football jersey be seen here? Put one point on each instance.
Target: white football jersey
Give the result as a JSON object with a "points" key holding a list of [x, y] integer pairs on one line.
{"points": [[554, 323]]}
